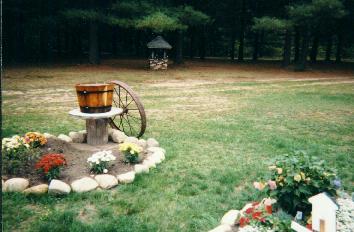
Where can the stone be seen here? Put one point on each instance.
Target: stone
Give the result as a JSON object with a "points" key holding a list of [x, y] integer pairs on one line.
{"points": [[126, 178], [151, 142], [84, 184], [47, 135], [142, 143], [155, 149], [38, 189], [149, 163], [159, 155], [58, 187], [16, 185], [141, 168], [131, 140], [77, 137], [106, 181], [222, 228], [231, 217], [118, 136], [65, 138]]}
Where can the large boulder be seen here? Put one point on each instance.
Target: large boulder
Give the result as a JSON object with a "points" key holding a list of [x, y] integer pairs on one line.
{"points": [[65, 138], [117, 136], [16, 185], [230, 218], [126, 178], [77, 137], [141, 168], [84, 184], [106, 181], [132, 140], [151, 142], [38, 189], [58, 187]]}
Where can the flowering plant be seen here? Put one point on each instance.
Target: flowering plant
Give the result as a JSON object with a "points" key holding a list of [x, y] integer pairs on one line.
{"points": [[34, 139], [16, 155], [131, 152], [100, 161], [50, 165], [258, 213], [293, 179]]}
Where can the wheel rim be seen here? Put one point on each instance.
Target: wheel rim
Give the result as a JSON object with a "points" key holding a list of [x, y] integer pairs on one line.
{"points": [[133, 120]]}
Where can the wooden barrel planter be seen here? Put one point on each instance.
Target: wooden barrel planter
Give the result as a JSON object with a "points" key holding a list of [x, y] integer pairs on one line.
{"points": [[95, 98]]}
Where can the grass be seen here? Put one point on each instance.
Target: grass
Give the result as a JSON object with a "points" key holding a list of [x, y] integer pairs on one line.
{"points": [[220, 124]]}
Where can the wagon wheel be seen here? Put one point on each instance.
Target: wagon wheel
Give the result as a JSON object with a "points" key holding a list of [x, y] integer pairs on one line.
{"points": [[133, 119]]}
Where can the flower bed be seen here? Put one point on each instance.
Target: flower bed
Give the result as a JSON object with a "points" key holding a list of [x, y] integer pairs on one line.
{"points": [[85, 167]]}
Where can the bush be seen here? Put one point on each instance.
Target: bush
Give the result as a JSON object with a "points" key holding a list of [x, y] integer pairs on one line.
{"points": [[295, 178], [17, 156], [131, 152], [100, 161], [50, 165]]}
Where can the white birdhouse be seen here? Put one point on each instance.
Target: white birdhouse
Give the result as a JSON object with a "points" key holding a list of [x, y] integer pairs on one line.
{"points": [[323, 214]]}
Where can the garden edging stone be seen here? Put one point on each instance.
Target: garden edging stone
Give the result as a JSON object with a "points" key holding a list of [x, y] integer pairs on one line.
{"points": [[84, 184], [58, 187], [16, 185], [106, 181]]}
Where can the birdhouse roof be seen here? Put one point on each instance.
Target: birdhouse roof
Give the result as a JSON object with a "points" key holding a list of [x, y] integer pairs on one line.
{"points": [[324, 198], [159, 42]]}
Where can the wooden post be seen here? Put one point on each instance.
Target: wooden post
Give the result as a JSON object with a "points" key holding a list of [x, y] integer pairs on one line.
{"points": [[97, 132]]}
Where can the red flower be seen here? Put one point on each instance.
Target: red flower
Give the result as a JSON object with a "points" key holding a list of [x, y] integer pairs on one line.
{"points": [[244, 221], [309, 226], [50, 161], [257, 215], [249, 210], [268, 208]]}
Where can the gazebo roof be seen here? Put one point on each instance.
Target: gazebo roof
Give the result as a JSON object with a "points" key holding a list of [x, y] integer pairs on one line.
{"points": [[159, 42]]}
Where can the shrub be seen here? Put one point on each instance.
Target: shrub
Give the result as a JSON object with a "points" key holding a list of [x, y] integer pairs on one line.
{"points": [[17, 157], [100, 161], [35, 139], [295, 178], [131, 152], [50, 165]]}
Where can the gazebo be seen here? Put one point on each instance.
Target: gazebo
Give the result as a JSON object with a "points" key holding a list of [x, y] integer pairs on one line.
{"points": [[158, 58]]}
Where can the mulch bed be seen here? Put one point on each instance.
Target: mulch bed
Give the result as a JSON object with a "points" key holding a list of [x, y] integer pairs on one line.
{"points": [[76, 156]]}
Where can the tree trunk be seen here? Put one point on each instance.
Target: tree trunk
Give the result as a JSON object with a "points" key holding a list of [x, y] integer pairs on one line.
{"points": [[255, 47], [301, 65], [297, 46], [287, 49], [242, 31], [232, 44], [19, 45], [179, 47], [94, 56], [202, 44], [114, 41], [329, 49], [339, 48], [314, 49], [191, 43]]}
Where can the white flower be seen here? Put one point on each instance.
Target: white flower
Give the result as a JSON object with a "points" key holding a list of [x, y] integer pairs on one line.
{"points": [[105, 170]]}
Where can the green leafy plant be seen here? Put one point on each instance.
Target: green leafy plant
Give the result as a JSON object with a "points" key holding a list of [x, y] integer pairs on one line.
{"points": [[294, 178], [17, 156], [131, 152]]}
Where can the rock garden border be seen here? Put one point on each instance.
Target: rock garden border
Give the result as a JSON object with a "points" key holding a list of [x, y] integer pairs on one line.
{"points": [[154, 156]]}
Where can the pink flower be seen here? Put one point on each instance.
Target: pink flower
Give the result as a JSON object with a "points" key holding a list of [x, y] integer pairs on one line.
{"points": [[259, 185], [272, 184]]}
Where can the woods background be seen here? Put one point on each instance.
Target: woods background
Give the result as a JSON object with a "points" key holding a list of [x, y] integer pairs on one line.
{"points": [[293, 31]]}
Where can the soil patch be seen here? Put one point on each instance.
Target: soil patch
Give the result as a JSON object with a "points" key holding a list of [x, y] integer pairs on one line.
{"points": [[76, 156]]}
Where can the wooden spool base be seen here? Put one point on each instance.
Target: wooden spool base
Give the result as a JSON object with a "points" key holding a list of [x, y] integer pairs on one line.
{"points": [[97, 131]]}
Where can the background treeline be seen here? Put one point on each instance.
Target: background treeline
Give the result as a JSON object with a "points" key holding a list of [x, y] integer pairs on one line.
{"points": [[291, 30]]}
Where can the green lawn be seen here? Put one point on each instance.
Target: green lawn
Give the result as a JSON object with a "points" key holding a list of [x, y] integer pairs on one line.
{"points": [[219, 123]]}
